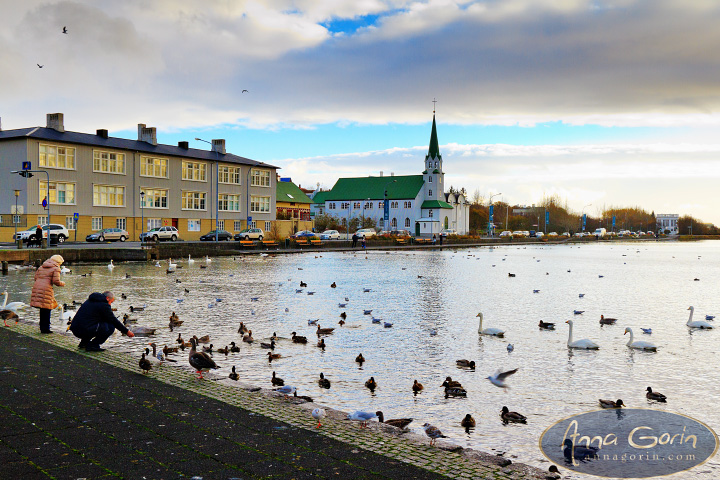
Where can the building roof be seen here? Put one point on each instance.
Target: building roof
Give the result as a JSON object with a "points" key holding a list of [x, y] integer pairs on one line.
{"points": [[435, 204], [399, 187], [320, 197], [434, 149], [52, 135], [289, 192]]}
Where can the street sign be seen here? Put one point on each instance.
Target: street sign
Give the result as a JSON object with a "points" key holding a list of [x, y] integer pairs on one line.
{"points": [[249, 219], [547, 217], [26, 166], [44, 202], [613, 221], [76, 215], [584, 220]]}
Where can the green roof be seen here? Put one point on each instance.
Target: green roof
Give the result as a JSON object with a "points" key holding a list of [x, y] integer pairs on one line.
{"points": [[289, 192], [398, 188], [435, 204], [434, 149], [320, 197]]}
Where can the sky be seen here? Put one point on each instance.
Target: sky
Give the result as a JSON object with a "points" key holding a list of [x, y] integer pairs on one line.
{"points": [[603, 103]]}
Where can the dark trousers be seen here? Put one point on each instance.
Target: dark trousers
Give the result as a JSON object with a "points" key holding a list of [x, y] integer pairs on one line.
{"points": [[95, 337], [45, 319]]}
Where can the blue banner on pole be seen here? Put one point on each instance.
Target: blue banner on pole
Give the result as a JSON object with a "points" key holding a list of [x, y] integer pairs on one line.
{"points": [[613, 221], [386, 211], [547, 217], [584, 220]]}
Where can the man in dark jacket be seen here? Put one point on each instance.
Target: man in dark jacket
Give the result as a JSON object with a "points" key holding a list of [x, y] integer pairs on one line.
{"points": [[94, 322]]}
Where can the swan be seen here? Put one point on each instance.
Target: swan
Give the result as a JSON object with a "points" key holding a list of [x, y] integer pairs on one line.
{"points": [[190, 260], [489, 331], [639, 344], [14, 306], [697, 323], [66, 316], [171, 266], [582, 344], [111, 265], [208, 259], [64, 270]]}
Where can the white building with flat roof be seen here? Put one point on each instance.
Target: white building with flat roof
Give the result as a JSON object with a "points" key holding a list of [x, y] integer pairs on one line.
{"points": [[667, 222]]}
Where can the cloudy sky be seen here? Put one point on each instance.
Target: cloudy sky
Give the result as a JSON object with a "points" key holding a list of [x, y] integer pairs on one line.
{"points": [[609, 103]]}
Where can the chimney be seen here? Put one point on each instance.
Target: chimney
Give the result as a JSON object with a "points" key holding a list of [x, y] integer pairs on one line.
{"points": [[218, 145], [55, 121], [392, 174], [147, 134], [381, 173], [184, 145], [101, 132]]}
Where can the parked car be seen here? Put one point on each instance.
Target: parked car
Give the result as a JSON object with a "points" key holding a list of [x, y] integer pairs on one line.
{"points": [[160, 233], [366, 232], [579, 234], [53, 228], [448, 231], [222, 235], [250, 234], [506, 233], [552, 234], [330, 235], [565, 234], [518, 233], [303, 234], [108, 234], [539, 234]]}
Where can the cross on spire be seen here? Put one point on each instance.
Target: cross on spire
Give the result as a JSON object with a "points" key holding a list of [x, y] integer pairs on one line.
{"points": [[434, 102]]}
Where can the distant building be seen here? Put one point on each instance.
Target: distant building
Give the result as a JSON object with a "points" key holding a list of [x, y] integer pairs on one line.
{"points": [[318, 205], [291, 202], [667, 221]]}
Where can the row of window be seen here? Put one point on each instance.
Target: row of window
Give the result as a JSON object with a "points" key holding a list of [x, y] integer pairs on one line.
{"points": [[52, 156], [369, 205], [63, 193]]}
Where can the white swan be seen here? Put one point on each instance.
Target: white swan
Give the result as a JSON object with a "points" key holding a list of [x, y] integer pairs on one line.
{"points": [[639, 344], [489, 331], [64, 269], [171, 266], [66, 316], [208, 259], [697, 323], [190, 260], [14, 306], [584, 344], [111, 265]]}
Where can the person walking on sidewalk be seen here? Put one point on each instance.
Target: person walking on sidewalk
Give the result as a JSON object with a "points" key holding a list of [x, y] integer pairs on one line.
{"points": [[42, 295], [354, 240], [94, 322]]}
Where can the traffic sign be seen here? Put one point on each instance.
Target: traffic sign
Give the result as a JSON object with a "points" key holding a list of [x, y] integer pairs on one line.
{"points": [[76, 215], [249, 219], [44, 202], [26, 166]]}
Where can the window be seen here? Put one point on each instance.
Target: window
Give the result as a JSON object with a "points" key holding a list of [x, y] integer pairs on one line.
{"points": [[407, 223], [260, 178], [155, 198], [344, 205], [368, 204], [108, 195], [394, 204], [108, 162], [229, 203], [259, 204], [408, 204], [193, 225], [154, 223], [252, 224], [430, 179], [237, 225], [394, 223], [193, 171], [381, 204], [381, 223], [356, 205], [97, 223], [153, 167], [16, 218], [435, 163], [42, 219], [221, 224], [331, 206], [429, 193], [121, 223], [229, 175], [193, 200], [70, 222], [57, 157], [60, 193], [268, 226], [430, 214]]}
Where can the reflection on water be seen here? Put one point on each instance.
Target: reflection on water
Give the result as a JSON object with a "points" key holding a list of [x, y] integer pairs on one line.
{"points": [[432, 299]]}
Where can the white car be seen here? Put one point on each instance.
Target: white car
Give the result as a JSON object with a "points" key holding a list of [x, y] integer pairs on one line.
{"points": [[330, 235], [506, 233], [539, 234], [366, 232], [54, 228], [518, 233], [160, 233], [448, 231], [552, 234]]}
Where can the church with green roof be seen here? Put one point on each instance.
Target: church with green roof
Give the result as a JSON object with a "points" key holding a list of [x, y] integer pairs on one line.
{"points": [[417, 203]]}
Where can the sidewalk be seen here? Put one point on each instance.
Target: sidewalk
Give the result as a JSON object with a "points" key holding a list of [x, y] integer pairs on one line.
{"points": [[70, 415]]}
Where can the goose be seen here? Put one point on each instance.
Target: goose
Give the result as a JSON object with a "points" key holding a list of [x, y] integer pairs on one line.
{"points": [[323, 382], [466, 363], [64, 270], [514, 417], [145, 364], [696, 323], [318, 414], [433, 432], [321, 343], [640, 345], [400, 423], [610, 404], [233, 375], [468, 421], [270, 345], [111, 265], [277, 381], [546, 325], [298, 339], [324, 331], [362, 417], [371, 384], [657, 396], [583, 344], [248, 338], [360, 359], [200, 361], [190, 262], [273, 356], [417, 387], [607, 321], [496, 332], [234, 348]]}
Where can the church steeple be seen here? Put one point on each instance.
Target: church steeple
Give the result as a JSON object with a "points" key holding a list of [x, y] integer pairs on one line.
{"points": [[433, 174], [434, 149]]}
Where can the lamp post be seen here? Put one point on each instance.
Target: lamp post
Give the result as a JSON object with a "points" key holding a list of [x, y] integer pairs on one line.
{"points": [[142, 214], [491, 225], [217, 185], [28, 174], [583, 215], [17, 194]]}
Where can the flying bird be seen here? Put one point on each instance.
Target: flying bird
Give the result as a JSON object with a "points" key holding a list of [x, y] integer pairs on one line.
{"points": [[65, 30], [39, 66], [244, 91], [498, 378]]}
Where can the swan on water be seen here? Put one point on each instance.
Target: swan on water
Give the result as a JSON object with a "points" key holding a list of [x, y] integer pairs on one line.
{"points": [[488, 331], [581, 344], [190, 260], [696, 323], [111, 265], [640, 345]]}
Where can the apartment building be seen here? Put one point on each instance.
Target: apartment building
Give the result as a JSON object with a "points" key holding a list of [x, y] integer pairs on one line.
{"points": [[97, 181]]}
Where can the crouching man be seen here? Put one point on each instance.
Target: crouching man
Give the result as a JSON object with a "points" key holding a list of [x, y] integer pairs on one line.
{"points": [[94, 322]]}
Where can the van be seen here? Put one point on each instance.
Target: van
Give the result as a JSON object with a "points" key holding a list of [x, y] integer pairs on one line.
{"points": [[600, 232]]}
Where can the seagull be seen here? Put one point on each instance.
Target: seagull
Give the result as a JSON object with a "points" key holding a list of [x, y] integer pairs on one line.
{"points": [[342, 305], [362, 417], [245, 91], [39, 66], [376, 320], [65, 30], [433, 432], [387, 325], [536, 291], [254, 299], [510, 347], [710, 317], [498, 378], [581, 295], [366, 290], [367, 312], [287, 390], [318, 413], [646, 330], [578, 312]]}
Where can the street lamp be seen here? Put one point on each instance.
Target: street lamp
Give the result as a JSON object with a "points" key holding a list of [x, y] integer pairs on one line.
{"points": [[386, 206], [17, 194], [142, 213], [217, 185], [583, 215], [491, 225], [29, 174]]}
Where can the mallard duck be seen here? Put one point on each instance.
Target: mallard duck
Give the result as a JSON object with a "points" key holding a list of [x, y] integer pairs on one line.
{"points": [[509, 416], [455, 392], [341, 322], [395, 422], [123, 296], [273, 356], [200, 361], [8, 315], [371, 383], [360, 359], [234, 348], [224, 351], [323, 382], [143, 331], [234, 375], [203, 339], [468, 421], [610, 404], [554, 473], [546, 325], [657, 396], [417, 387], [324, 331], [303, 284], [465, 363], [270, 345], [321, 343], [333, 285], [145, 364], [137, 309], [209, 349], [277, 381], [298, 339], [168, 350], [248, 338], [242, 328], [607, 321], [449, 382]]}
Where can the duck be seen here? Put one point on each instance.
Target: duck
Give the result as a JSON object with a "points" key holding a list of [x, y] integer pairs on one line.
{"points": [[175, 320], [583, 344], [321, 343], [298, 339], [657, 396], [145, 364], [514, 417], [137, 309], [277, 381], [324, 331], [225, 350], [341, 322], [555, 473], [696, 323], [323, 382], [200, 361], [510, 274], [270, 345], [111, 265], [610, 404], [203, 339], [360, 359], [343, 315], [127, 320], [123, 296], [303, 284], [400, 423], [234, 348], [242, 328], [546, 325], [71, 306], [455, 392], [190, 262], [233, 375], [640, 345], [449, 382], [9, 315], [143, 331], [577, 452], [468, 421], [417, 387], [496, 332], [273, 356], [161, 356], [333, 285], [466, 363], [248, 338], [371, 384], [607, 321], [209, 349]]}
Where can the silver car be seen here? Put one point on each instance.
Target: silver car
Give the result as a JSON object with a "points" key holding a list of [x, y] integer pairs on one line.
{"points": [[160, 233], [108, 234]]}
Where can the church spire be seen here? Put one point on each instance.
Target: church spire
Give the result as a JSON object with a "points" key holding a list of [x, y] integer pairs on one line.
{"points": [[434, 149]]}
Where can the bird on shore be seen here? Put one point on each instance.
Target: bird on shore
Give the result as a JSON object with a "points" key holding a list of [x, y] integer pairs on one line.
{"points": [[417, 387], [371, 384], [657, 396], [161, 355], [318, 414], [498, 378], [145, 364], [433, 432], [200, 361], [234, 375], [610, 404], [277, 381], [513, 417], [468, 421], [400, 423], [362, 417], [323, 382], [287, 390]]}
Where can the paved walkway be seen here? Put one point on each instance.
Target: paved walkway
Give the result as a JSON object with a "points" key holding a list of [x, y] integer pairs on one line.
{"points": [[68, 414]]}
